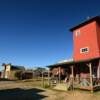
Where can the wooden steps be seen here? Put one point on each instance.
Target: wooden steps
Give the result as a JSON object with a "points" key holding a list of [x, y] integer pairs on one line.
{"points": [[62, 86]]}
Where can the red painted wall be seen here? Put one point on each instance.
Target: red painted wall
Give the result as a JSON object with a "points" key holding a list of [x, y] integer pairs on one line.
{"points": [[88, 38], [98, 34]]}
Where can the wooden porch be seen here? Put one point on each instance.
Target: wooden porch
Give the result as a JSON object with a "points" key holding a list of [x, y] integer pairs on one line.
{"points": [[87, 78]]}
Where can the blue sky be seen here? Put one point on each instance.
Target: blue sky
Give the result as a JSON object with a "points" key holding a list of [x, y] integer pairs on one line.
{"points": [[36, 32]]}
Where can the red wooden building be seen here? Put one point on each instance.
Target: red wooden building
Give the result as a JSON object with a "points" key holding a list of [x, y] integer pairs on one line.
{"points": [[86, 55], [86, 37]]}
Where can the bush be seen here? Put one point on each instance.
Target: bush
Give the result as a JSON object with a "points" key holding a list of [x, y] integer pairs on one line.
{"points": [[45, 85]]}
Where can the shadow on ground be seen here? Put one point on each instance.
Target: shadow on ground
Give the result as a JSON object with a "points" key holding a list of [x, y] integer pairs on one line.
{"points": [[21, 94]]}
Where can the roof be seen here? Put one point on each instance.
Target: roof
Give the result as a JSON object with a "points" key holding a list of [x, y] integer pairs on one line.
{"points": [[60, 64], [66, 60], [14, 66], [18, 67], [96, 18], [72, 62]]}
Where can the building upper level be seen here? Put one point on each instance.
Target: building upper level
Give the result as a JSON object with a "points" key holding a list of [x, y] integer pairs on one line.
{"points": [[86, 39]]}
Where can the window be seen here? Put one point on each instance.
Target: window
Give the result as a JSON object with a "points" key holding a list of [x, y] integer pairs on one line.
{"points": [[84, 50], [77, 33]]}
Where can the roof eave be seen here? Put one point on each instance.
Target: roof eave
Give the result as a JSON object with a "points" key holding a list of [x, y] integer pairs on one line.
{"points": [[73, 62], [85, 22]]}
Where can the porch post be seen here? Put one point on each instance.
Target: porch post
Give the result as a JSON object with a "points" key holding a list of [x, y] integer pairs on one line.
{"points": [[59, 75], [72, 73], [91, 79], [72, 77], [48, 76], [42, 79], [98, 70]]}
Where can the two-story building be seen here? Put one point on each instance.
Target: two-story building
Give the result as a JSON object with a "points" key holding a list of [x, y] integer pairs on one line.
{"points": [[84, 68]]}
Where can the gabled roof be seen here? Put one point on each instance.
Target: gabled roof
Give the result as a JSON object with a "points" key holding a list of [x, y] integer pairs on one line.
{"points": [[96, 18], [18, 67], [14, 66]]}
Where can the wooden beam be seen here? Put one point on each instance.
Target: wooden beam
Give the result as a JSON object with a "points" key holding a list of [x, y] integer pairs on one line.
{"points": [[91, 76], [98, 70], [59, 75], [72, 77], [72, 70], [48, 76], [42, 79]]}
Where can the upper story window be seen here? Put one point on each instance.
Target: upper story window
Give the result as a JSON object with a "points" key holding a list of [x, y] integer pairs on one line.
{"points": [[77, 33], [84, 50]]}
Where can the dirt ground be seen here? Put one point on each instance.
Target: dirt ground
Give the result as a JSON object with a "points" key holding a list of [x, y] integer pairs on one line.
{"points": [[10, 90]]}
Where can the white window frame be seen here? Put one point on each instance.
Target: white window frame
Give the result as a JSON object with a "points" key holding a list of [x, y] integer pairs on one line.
{"points": [[84, 51], [77, 33]]}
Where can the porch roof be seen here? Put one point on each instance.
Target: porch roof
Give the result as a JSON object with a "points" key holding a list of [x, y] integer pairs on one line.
{"points": [[72, 62]]}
